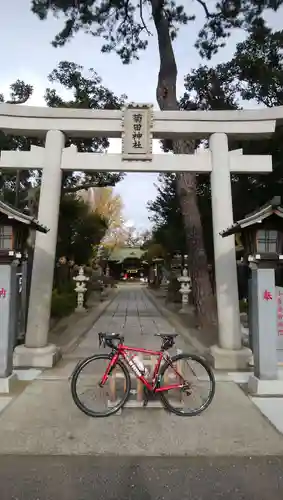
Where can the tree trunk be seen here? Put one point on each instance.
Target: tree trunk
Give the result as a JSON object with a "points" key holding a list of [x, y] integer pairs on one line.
{"points": [[186, 181]]}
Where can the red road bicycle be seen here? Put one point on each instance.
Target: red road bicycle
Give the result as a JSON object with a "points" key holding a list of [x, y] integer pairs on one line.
{"points": [[122, 358]]}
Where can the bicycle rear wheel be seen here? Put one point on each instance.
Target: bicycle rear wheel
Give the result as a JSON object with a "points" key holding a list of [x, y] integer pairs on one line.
{"points": [[193, 371], [96, 401]]}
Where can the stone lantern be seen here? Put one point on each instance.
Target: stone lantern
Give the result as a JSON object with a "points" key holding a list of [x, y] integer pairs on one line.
{"points": [[262, 238], [81, 289], [15, 229], [186, 288]]}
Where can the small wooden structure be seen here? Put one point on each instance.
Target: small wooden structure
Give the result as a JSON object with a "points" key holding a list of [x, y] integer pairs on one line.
{"points": [[261, 232], [138, 392], [15, 229]]}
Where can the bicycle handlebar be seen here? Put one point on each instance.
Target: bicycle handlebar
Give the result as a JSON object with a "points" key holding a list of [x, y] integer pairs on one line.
{"points": [[106, 339]]}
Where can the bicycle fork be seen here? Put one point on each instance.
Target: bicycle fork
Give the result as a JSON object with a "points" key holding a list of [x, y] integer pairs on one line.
{"points": [[109, 369]]}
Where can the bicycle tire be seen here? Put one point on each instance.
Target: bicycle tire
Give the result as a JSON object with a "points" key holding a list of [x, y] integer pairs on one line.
{"points": [[78, 402], [163, 395]]}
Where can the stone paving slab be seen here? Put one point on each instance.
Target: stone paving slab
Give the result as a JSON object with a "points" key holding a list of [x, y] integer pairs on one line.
{"points": [[44, 420], [62, 371], [272, 408]]}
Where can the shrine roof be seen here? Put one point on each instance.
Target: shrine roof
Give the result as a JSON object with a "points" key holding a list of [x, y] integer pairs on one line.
{"points": [[13, 213], [273, 207], [121, 254]]}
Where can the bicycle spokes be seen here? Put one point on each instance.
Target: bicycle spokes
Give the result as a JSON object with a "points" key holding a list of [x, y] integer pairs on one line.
{"points": [[100, 393], [195, 384]]}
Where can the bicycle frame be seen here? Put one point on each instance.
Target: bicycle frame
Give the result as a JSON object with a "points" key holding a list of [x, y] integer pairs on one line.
{"points": [[123, 350]]}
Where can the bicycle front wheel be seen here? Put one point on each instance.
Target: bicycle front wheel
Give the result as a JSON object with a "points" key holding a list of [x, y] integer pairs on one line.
{"points": [[87, 393], [198, 385]]}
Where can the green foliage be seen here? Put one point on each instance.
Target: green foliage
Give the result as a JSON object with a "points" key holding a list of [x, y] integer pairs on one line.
{"points": [[79, 230], [87, 93], [243, 306], [168, 228], [10, 183], [154, 250], [20, 92], [62, 304], [247, 15], [124, 25], [255, 74]]}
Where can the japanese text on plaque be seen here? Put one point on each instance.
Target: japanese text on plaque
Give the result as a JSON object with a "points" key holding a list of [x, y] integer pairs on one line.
{"points": [[137, 134]]}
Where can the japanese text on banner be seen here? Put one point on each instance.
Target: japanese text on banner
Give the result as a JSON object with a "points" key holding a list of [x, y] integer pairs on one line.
{"points": [[280, 312]]}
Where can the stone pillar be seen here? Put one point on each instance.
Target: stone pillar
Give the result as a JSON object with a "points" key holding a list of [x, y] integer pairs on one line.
{"points": [[264, 323], [250, 314], [265, 380], [229, 353], [8, 320], [36, 351]]}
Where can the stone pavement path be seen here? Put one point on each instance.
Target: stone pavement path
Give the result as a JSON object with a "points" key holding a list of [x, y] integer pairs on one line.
{"points": [[44, 420], [133, 315]]}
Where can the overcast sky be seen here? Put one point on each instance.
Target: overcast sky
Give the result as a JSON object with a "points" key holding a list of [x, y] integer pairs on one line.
{"points": [[28, 55]]}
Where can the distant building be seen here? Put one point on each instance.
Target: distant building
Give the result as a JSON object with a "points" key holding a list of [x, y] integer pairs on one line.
{"points": [[127, 263]]}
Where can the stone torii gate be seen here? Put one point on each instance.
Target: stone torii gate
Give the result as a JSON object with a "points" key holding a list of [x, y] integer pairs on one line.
{"points": [[137, 125]]}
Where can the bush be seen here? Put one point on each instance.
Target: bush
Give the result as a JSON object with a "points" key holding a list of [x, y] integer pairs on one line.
{"points": [[62, 304], [243, 305]]}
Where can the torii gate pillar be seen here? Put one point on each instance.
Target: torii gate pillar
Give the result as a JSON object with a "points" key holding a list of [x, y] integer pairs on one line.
{"points": [[229, 352], [37, 351]]}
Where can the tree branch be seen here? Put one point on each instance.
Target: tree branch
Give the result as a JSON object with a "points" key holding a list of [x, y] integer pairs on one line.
{"points": [[205, 8], [126, 15], [166, 88], [18, 101], [142, 19], [75, 189]]}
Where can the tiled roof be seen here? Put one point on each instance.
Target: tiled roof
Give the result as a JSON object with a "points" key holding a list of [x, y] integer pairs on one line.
{"points": [[256, 217], [120, 254], [14, 213]]}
